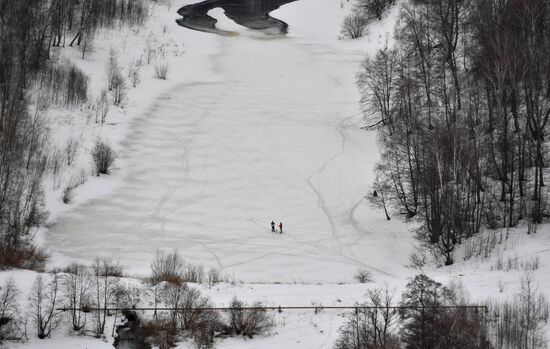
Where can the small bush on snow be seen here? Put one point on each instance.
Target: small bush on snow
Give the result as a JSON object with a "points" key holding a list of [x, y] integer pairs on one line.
{"points": [[363, 276], [248, 322], [67, 194], [167, 267], [103, 157], [161, 71]]}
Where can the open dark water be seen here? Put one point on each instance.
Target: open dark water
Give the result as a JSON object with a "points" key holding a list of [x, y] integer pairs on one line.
{"points": [[253, 14]]}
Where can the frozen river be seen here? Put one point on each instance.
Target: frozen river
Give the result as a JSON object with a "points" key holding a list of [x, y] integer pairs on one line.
{"points": [[272, 133]]}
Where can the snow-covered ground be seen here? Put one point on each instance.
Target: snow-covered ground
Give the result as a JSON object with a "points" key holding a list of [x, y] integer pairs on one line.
{"points": [[263, 128], [248, 129]]}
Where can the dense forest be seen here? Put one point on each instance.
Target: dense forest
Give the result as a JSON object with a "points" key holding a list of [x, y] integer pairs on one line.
{"points": [[31, 79], [461, 105]]}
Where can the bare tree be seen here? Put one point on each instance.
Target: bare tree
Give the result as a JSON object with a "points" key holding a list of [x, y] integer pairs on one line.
{"points": [[76, 291], [369, 327], [9, 311], [104, 284], [379, 198], [376, 80], [44, 304], [172, 295]]}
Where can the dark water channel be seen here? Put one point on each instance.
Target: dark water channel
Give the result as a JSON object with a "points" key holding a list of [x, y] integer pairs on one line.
{"points": [[253, 14], [131, 335]]}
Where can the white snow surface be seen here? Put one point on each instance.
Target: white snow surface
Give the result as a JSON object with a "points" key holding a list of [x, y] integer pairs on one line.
{"points": [[253, 128]]}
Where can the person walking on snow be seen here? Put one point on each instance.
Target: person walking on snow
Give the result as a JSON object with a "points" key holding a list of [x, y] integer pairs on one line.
{"points": [[281, 227], [272, 226]]}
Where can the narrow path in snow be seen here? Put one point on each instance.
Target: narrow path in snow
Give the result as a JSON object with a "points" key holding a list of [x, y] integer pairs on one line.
{"points": [[211, 164]]}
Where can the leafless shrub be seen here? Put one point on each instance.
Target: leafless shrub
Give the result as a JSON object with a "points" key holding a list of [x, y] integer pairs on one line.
{"points": [[55, 162], [103, 157], [161, 333], [203, 333], [115, 79], [188, 318], [215, 277], [354, 25], [71, 149], [168, 267], [67, 194], [134, 75], [102, 107], [172, 295], [119, 91], [531, 264], [112, 268], [418, 258], [161, 70], [363, 276], [113, 14], [184, 303], [202, 324], [482, 244], [248, 322], [511, 263], [25, 257], [150, 48], [65, 83], [82, 178], [194, 273], [500, 286]]}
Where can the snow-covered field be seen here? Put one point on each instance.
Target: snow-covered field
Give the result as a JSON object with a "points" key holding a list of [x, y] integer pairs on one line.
{"points": [[248, 129]]}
